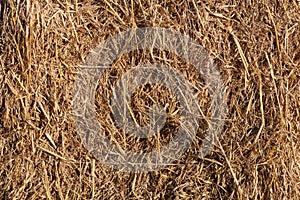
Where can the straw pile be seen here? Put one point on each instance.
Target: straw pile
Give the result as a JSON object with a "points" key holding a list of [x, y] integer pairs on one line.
{"points": [[256, 47]]}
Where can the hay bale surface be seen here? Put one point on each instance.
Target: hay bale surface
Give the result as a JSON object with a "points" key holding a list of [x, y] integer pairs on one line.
{"points": [[256, 47]]}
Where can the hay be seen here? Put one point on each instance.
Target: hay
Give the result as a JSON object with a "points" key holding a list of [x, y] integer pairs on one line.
{"points": [[255, 45]]}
